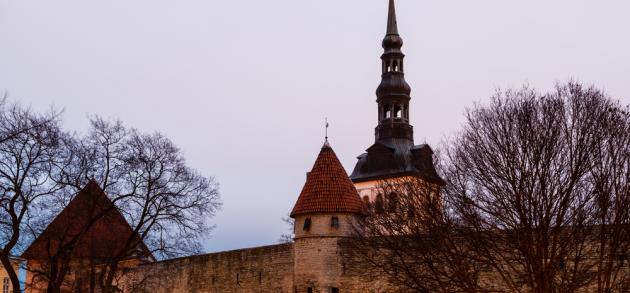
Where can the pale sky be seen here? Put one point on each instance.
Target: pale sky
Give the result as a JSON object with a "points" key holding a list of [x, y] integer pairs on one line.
{"points": [[243, 86]]}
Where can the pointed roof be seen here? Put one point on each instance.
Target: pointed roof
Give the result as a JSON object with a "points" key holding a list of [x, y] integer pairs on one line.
{"points": [[392, 24], [105, 238], [328, 188]]}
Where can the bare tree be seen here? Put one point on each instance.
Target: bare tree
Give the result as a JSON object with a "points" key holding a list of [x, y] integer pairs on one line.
{"points": [[166, 203], [288, 237], [408, 238], [29, 145], [536, 200], [531, 176]]}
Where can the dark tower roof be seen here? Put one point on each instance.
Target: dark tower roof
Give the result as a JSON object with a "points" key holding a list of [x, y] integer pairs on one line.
{"points": [[105, 239], [328, 188], [394, 152]]}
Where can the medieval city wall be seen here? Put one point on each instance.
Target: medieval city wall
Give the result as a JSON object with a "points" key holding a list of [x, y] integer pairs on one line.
{"points": [[262, 269]]}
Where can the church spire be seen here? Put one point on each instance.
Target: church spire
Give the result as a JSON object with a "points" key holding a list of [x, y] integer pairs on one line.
{"points": [[393, 154], [393, 93], [392, 25]]}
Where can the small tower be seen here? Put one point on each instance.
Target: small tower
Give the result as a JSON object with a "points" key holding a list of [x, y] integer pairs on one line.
{"points": [[324, 213]]}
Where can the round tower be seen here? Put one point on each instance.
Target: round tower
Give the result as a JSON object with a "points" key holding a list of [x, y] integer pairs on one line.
{"points": [[325, 212]]}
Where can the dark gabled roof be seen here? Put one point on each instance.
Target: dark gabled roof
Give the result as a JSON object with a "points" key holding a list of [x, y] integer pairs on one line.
{"points": [[390, 159], [105, 239], [328, 188]]}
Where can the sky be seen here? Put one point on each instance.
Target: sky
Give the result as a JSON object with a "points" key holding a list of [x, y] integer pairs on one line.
{"points": [[243, 86]]}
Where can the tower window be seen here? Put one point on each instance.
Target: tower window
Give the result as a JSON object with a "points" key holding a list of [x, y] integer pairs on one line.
{"points": [[334, 222], [379, 204], [388, 114], [398, 112], [393, 202], [307, 224]]}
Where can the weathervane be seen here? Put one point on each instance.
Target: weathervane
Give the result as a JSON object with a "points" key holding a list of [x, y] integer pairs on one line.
{"points": [[326, 119]]}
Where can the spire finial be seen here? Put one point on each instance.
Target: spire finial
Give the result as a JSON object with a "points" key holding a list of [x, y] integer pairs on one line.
{"points": [[392, 25], [326, 125]]}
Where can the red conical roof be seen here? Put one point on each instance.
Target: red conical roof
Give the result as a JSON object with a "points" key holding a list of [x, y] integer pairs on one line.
{"points": [[328, 188]]}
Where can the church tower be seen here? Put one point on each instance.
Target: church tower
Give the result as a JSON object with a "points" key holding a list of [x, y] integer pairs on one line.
{"points": [[324, 213], [393, 154]]}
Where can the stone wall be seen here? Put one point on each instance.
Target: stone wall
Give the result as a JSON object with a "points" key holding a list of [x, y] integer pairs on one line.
{"points": [[262, 269]]}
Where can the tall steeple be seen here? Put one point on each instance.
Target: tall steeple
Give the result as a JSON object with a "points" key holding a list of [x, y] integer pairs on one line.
{"points": [[393, 93], [393, 153]]}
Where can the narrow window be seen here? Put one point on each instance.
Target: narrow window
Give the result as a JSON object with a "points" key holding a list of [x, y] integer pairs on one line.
{"points": [[238, 281], [307, 224], [309, 290], [334, 222], [393, 202], [379, 204], [388, 114], [5, 285], [259, 277]]}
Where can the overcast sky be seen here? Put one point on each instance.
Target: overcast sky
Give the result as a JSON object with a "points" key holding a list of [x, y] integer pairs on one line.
{"points": [[243, 86]]}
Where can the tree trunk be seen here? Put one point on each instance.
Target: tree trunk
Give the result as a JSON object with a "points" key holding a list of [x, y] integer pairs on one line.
{"points": [[8, 267]]}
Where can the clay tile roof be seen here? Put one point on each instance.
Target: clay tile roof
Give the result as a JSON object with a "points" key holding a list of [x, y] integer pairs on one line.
{"points": [[106, 238], [328, 188]]}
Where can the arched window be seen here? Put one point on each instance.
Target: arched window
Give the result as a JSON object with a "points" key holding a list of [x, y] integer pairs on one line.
{"points": [[397, 112]]}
